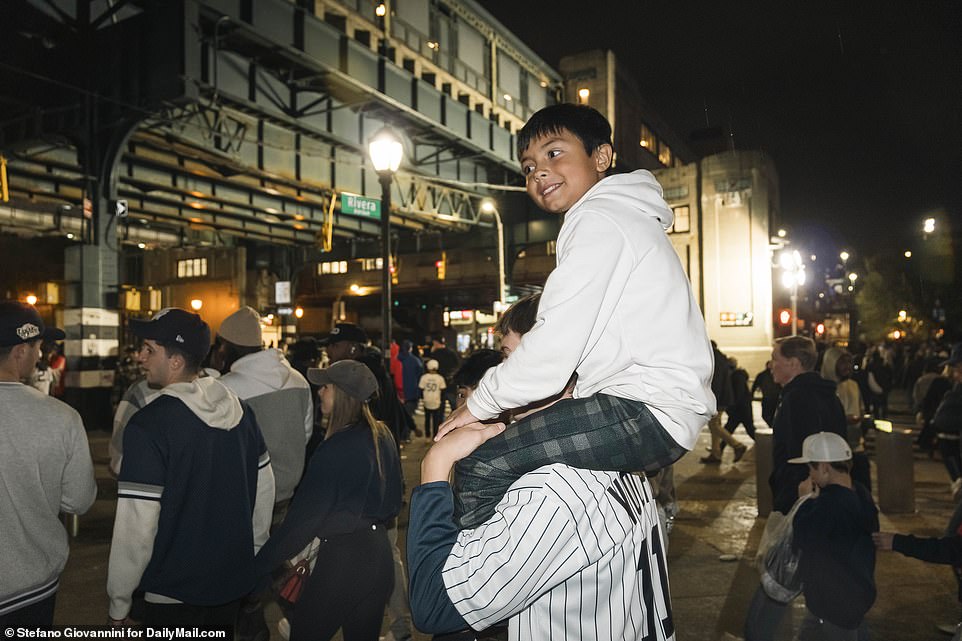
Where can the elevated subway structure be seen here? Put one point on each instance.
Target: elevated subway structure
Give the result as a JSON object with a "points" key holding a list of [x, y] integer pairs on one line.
{"points": [[238, 125]]}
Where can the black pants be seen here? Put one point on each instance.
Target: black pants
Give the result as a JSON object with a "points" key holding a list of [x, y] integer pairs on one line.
{"points": [[35, 615], [183, 615], [348, 588], [432, 420]]}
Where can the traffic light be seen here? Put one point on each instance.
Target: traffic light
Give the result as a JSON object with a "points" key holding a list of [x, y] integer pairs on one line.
{"points": [[442, 265], [784, 317]]}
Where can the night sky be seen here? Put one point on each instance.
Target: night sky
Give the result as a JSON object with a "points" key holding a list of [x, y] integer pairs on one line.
{"points": [[859, 104]]}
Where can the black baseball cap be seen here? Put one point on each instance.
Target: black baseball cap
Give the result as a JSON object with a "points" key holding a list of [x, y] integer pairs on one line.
{"points": [[21, 323], [175, 326], [351, 376], [345, 332]]}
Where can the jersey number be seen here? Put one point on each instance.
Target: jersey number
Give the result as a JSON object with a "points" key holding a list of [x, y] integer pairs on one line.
{"points": [[648, 588]]}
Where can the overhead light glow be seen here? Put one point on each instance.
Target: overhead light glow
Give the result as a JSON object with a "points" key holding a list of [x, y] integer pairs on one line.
{"points": [[196, 304], [928, 226], [782, 233], [844, 255], [31, 300], [583, 94], [380, 11], [299, 311], [907, 254]]}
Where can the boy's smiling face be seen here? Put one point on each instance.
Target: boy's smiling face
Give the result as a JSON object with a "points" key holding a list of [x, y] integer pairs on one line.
{"points": [[558, 171]]}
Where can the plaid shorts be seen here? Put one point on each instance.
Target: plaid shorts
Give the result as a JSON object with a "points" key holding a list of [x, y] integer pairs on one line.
{"points": [[600, 432]]}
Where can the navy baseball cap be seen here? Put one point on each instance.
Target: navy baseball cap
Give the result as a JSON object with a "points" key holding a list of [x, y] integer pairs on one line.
{"points": [[21, 323], [175, 326], [345, 332]]}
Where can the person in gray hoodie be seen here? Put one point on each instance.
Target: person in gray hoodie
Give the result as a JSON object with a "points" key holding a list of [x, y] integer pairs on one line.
{"points": [[278, 394], [45, 469], [195, 491]]}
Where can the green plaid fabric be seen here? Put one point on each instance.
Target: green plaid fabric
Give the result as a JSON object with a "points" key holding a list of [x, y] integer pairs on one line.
{"points": [[600, 432]]}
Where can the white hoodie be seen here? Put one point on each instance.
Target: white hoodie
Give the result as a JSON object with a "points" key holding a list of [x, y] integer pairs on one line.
{"points": [[618, 309], [282, 402]]}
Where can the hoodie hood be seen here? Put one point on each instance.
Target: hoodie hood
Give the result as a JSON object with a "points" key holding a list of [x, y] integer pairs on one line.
{"points": [[637, 191], [210, 400], [268, 368]]}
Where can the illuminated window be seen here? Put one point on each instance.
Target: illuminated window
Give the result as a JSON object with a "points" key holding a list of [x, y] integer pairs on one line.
{"points": [[551, 247], [682, 222], [647, 139], [332, 267], [372, 264], [132, 300], [156, 300], [664, 155], [192, 268]]}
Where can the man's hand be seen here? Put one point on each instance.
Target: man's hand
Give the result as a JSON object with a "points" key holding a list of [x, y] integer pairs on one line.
{"points": [[807, 487], [883, 540], [459, 443], [458, 418]]}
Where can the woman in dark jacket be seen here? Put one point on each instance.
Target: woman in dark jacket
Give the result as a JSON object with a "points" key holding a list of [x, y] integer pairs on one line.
{"points": [[350, 492]]}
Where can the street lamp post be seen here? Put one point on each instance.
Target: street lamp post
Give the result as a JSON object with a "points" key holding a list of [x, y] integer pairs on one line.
{"points": [[793, 275], [386, 152], [489, 207]]}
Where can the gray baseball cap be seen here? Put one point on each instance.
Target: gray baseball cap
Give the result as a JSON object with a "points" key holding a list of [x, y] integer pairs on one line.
{"points": [[354, 378]]}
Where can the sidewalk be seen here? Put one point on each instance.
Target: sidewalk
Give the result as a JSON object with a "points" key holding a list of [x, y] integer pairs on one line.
{"points": [[709, 596]]}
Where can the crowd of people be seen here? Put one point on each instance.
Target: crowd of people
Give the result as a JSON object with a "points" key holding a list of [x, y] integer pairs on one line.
{"points": [[247, 475]]}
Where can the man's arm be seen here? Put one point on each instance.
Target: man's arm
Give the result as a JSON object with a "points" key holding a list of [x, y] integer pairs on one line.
{"points": [[78, 488], [432, 532], [139, 490], [263, 501]]}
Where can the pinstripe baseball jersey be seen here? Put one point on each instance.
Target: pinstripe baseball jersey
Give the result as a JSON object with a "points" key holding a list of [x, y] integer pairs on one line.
{"points": [[569, 554]]}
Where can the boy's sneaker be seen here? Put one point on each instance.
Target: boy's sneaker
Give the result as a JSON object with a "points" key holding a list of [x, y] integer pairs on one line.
{"points": [[740, 452], [711, 459]]}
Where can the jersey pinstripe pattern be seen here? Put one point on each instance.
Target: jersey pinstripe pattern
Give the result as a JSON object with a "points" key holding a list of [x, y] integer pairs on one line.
{"points": [[569, 554]]}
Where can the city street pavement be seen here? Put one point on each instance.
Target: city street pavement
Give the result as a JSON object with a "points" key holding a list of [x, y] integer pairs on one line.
{"points": [[717, 518]]}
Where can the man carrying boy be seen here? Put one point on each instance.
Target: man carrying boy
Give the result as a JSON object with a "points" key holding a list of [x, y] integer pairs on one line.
{"points": [[834, 533], [530, 563], [617, 310]]}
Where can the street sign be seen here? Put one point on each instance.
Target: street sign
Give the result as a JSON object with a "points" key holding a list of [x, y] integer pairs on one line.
{"points": [[360, 206], [282, 292], [121, 208]]}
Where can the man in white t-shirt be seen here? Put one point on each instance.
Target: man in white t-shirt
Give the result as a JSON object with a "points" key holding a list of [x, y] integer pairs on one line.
{"points": [[432, 384]]}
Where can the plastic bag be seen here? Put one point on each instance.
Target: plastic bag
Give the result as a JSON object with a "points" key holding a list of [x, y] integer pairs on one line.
{"points": [[780, 578]]}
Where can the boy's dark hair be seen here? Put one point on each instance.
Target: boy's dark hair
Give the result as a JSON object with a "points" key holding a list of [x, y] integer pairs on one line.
{"points": [[520, 317], [192, 362], [586, 123], [474, 367], [6, 349], [800, 347]]}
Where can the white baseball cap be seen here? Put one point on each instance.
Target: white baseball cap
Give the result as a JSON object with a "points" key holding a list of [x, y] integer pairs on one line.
{"points": [[824, 447]]}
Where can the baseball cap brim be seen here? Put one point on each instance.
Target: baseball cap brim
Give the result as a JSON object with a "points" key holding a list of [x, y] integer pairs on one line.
{"points": [[319, 376], [54, 334], [144, 328], [801, 459]]}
